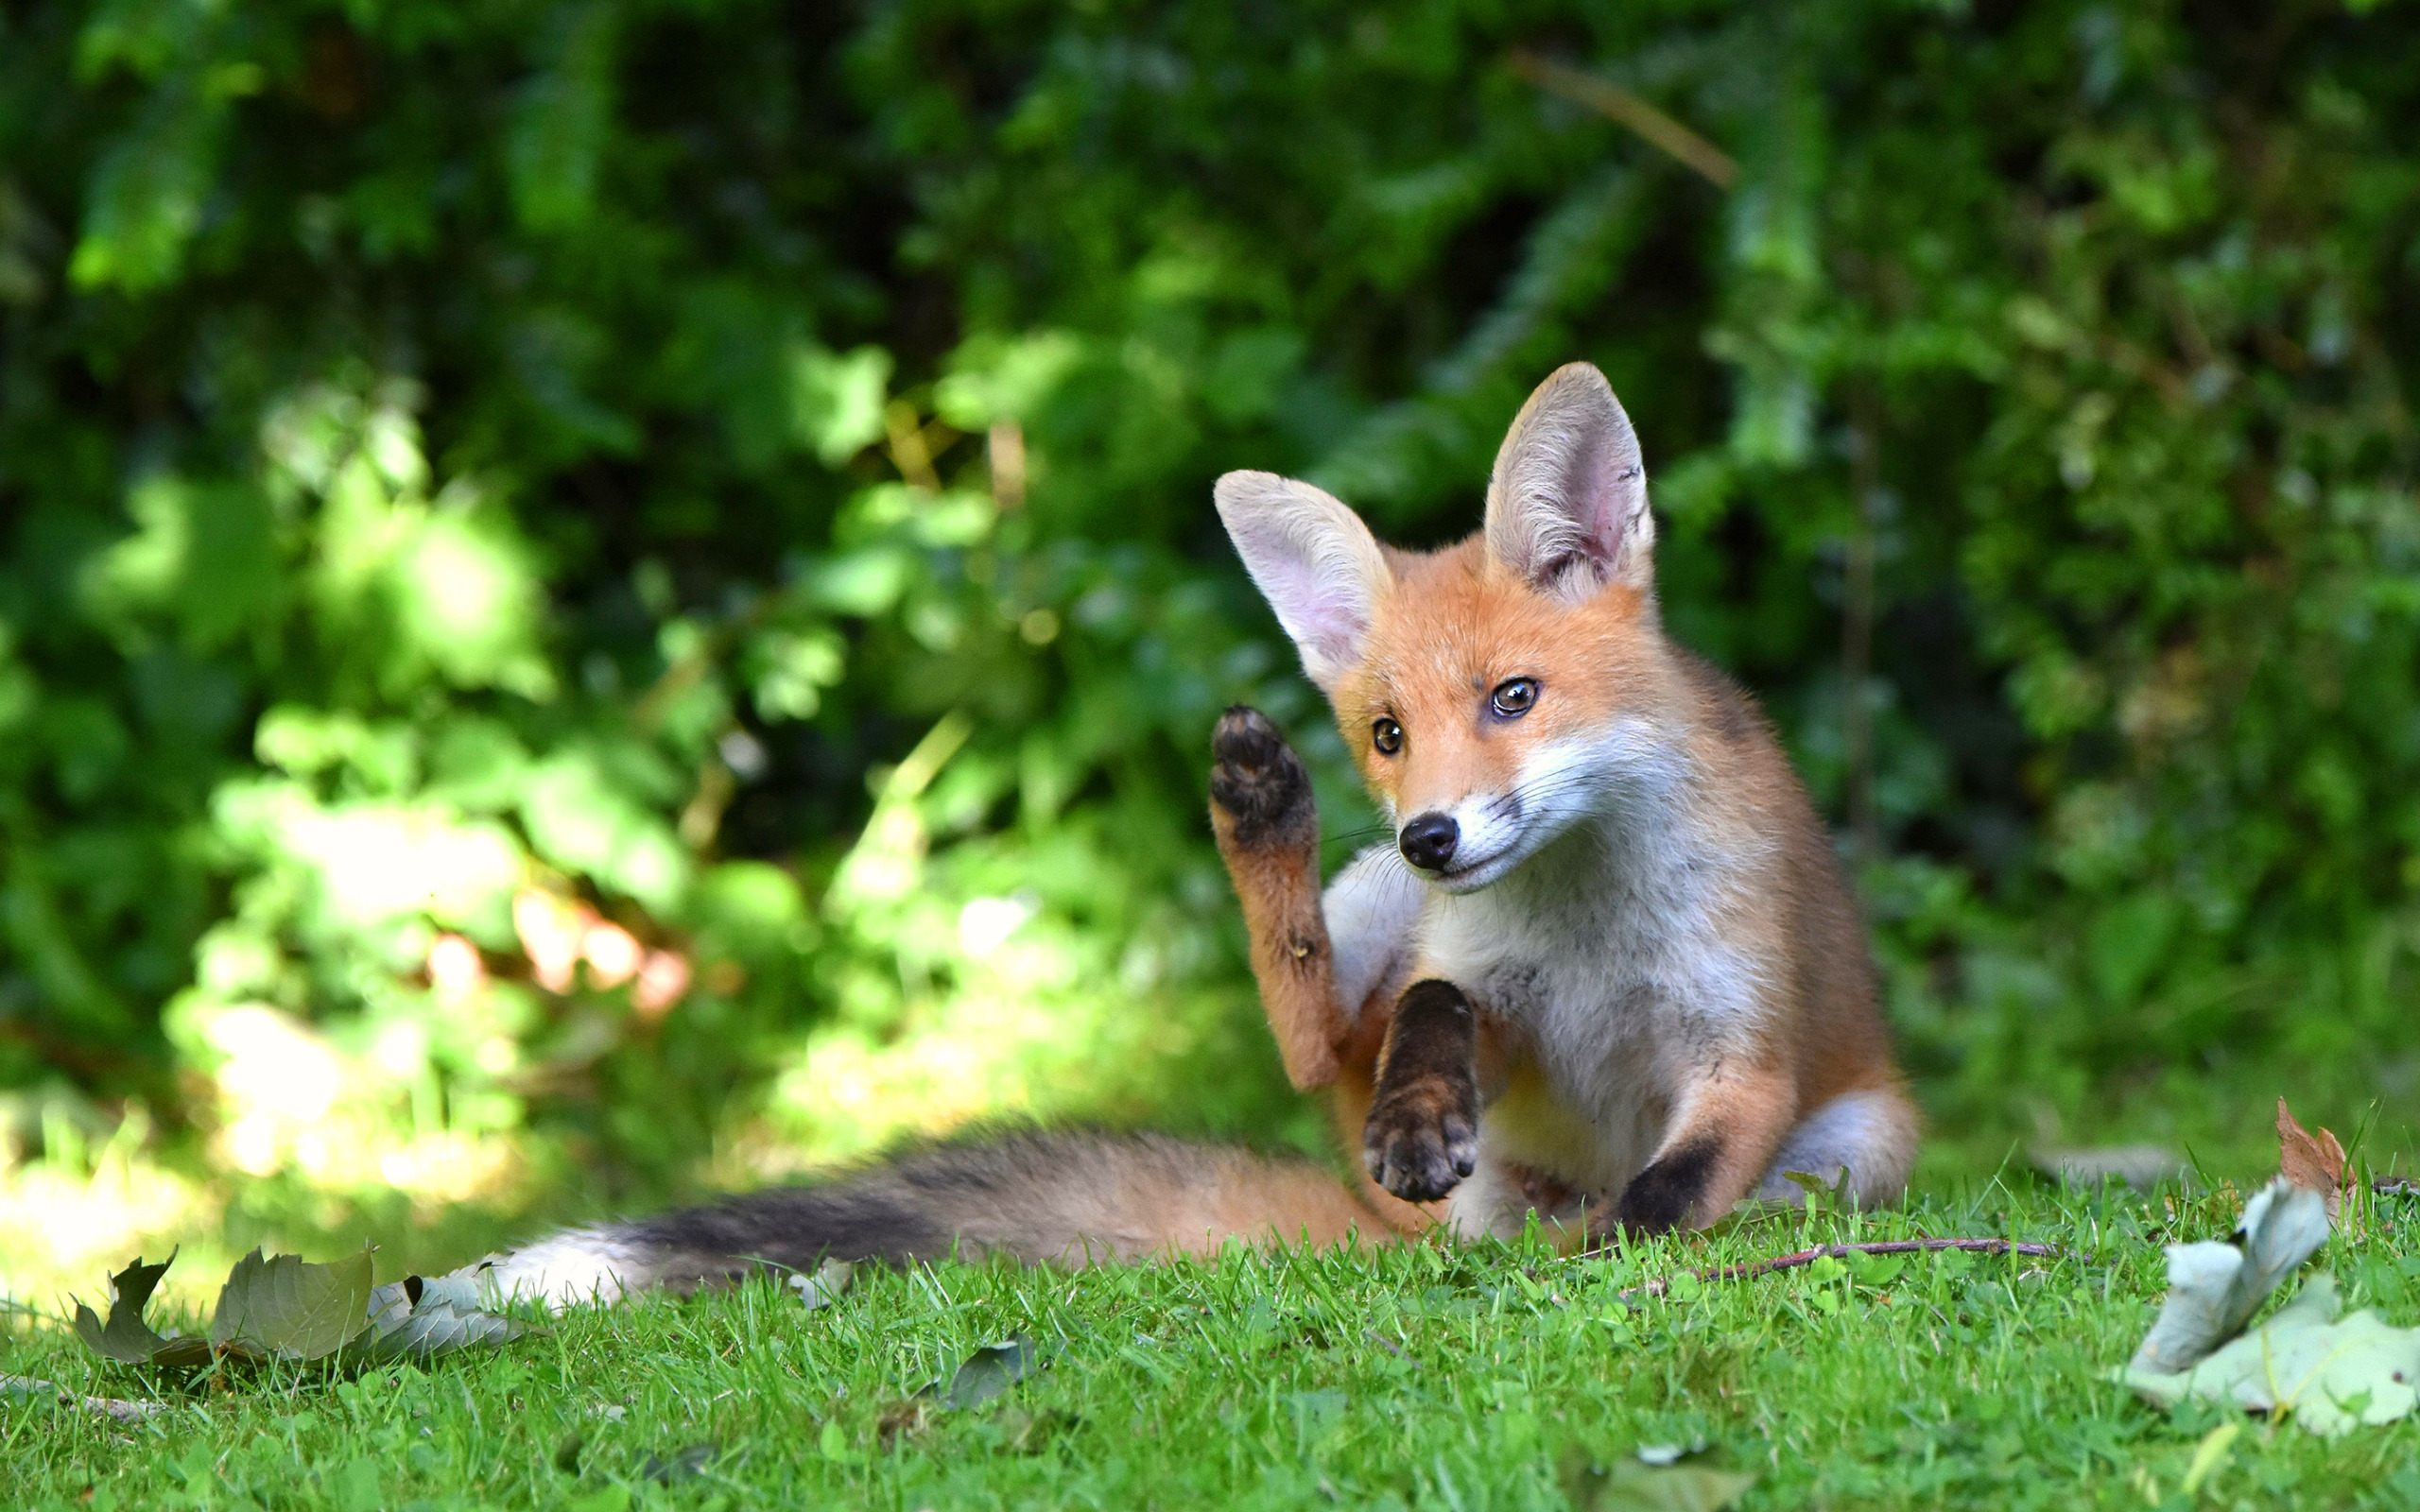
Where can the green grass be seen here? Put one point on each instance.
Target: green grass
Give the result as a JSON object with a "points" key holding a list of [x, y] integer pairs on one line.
{"points": [[1424, 1376]]}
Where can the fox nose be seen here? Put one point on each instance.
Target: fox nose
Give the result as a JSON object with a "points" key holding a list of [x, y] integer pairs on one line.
{"points": [[1427, 841]]}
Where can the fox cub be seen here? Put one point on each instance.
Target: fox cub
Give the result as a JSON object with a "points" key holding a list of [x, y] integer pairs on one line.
{"points": [[1608, 964], [1607, 967]]}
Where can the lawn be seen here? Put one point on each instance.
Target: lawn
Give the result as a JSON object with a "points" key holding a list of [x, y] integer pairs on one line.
{"points": [[1427, 1376]]}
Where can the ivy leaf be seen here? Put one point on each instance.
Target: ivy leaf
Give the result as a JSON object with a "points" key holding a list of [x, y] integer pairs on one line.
{"points": [[424, 1315], [2215, 1288], [283, 1307], [2332, 1375], [126, 1337]]}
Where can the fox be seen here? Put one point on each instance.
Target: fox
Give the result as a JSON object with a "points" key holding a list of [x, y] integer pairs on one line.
{"points": [[1606, 974], [1609, 970]]}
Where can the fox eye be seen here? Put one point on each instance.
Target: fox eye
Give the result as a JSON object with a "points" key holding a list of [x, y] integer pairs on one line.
{"points": [[1513, 698], [1387, 736]]}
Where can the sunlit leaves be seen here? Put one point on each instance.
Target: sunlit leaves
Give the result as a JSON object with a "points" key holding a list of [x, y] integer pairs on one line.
{"points": [[204, 557], [836, 400], [466, 598], [587, 810]]}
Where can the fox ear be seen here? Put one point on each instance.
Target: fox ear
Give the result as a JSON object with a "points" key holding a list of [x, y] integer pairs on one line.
{"points": [[1566, 505], [1314, 560]]}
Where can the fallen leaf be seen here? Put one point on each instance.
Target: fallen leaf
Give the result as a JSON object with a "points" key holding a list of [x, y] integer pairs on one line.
{"points": [[420, 1316], [126, 1337], [286, 1308], [2313, 1163], [1626, 1486], [2215, 1288], [988, 1372], [826, 1286], [2331, 1375], [683, 1465]]}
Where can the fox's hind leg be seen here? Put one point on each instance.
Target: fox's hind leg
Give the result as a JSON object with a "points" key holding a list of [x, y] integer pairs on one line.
{"points": [[1721, 1141]]}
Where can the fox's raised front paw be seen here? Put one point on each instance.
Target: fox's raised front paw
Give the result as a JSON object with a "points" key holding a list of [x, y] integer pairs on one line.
{"points": [[1422, 1138], [1257, 780]]}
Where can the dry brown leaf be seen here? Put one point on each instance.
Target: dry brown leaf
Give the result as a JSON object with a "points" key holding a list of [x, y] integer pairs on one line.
{"points": [[2313, 1163]]}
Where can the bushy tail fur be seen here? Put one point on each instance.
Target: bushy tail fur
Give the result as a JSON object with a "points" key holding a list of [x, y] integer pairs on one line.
{"points": [[1057, 1199]]}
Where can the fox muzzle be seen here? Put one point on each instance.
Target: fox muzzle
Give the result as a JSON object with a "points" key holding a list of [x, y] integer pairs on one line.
{"points": [[1428, 842]]}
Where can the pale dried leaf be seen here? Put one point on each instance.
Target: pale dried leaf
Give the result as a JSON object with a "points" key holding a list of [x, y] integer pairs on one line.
{"points": [[2332, 1375], [2214, 1288], [424, 1315], [826, 1286]]}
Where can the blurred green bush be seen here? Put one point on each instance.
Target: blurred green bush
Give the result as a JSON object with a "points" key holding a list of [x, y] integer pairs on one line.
{"points": [[629, 587]]}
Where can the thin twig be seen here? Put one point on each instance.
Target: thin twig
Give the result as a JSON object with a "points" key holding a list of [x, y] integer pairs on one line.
{"points": [[1809, 1257], [1692, 150]]}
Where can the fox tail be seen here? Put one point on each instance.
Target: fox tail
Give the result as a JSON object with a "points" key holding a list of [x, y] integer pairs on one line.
{"points": [[1061, 1198]]}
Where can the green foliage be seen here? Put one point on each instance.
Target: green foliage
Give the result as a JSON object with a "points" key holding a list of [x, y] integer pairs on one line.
{"points": [[736, 478]]}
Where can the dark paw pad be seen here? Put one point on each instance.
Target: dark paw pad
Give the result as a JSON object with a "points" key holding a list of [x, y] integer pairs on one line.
{"points": [[1421, 1141], [1258, 780], [1661, 1197]]}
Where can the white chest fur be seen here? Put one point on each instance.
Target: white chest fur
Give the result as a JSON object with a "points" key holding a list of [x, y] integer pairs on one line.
{"points": [[1604, 968]]}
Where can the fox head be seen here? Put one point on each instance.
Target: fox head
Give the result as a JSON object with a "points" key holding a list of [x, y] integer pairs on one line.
{"points": [[1497, 690]]}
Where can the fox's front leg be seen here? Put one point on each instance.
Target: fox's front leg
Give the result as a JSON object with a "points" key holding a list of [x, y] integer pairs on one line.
{"points": [[1267, 826], [1726, 1128], [1422, 1137]]}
